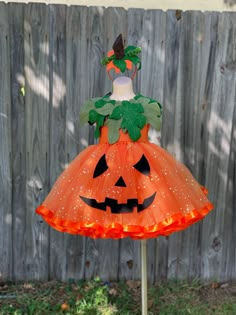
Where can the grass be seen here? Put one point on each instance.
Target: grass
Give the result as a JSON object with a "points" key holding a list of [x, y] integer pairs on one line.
{"points": [[123, 298]]}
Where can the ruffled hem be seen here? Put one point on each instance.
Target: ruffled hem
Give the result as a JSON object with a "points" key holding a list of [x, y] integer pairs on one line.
{"points": [[173, 224]]}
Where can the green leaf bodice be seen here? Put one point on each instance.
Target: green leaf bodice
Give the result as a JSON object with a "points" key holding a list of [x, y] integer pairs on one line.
{"points": [[129, 116]]}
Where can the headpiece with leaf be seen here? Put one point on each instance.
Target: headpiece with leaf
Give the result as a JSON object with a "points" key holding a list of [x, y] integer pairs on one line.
{"points": [[120, 58]]}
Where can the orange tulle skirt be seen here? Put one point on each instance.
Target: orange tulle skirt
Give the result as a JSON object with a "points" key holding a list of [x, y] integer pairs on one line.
{"points": [[127, 189]]}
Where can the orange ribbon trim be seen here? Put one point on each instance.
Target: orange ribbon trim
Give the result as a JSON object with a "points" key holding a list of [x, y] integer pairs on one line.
{"points": [[175, 223]]}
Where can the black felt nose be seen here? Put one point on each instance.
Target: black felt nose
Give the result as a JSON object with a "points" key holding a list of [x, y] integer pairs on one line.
{"points": [[120, 182]]}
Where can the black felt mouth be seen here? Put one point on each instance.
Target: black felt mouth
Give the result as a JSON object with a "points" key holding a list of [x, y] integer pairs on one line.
{"points": [[120, 207]]}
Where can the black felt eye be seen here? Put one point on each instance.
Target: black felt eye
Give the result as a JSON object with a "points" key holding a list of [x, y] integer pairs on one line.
{"points": [[143, 166], [101, 167]]}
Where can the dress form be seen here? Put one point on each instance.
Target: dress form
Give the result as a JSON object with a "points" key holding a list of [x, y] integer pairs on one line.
{"points": [[124, 187], [122, 89]]}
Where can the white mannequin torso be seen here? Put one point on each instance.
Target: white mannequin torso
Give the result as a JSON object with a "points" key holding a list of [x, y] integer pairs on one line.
{"points": [[122, 89]]}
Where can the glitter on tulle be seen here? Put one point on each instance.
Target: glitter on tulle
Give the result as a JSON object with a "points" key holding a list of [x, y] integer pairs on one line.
{"points": [[138, 190]]}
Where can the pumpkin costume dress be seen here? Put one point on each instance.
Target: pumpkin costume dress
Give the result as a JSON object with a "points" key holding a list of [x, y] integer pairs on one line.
{"points": [[124, 186]]}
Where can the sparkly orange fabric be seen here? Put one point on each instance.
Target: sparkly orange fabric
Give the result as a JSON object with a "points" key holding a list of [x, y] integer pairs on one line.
{"points": [[178, 200]]}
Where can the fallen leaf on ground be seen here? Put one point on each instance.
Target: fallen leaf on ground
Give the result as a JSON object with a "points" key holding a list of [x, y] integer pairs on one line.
{"points": [[132, 284], [113, 292], [65, 306], [150, 303], [215, 285]]}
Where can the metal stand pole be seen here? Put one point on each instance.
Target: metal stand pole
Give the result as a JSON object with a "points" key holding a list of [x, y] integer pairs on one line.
{"points": [[144, 276]]}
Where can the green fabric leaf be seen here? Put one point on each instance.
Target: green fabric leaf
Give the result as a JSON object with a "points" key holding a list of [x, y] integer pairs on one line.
{"points": [[158, 124], [157, 106], [117, 113], [120, 64], [129, 48], [134, 59], [84, 113], [83, 117], [113, 102], [142, 100], [97, 118], [113, 130], [131, 53], [160, 106], [139, 66], [92, 116], [154, 101], [152, 113], [100, 103], [132, 118], [99, 124], [138, 96], [107, 99], [106, 109], [129, 116]]}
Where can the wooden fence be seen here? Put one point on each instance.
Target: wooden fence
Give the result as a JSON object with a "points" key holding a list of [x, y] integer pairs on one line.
{"points": [[49, 65]]}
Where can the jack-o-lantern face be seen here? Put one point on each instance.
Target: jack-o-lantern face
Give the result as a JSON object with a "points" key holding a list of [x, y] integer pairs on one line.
{"points": [[143, 167]]}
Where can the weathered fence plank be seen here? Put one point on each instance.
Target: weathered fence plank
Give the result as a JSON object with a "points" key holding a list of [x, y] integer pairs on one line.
{"points": [[196, 115], [5, 149], [229, 266], [109, 261], [77, 136], [170, 126], [190, 116], [57, 104], [129, 257], [216, 227], [36, 36], [135, 26], [153, 65], [187, 109], [76, 75], [94, 27], [53, 53], [16, 19], [100, 256], [117, 17]]}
